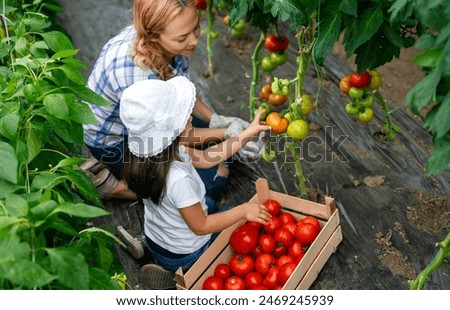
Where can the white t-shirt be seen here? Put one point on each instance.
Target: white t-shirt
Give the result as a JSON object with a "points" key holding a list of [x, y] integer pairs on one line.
{"points": [[164, 224]]}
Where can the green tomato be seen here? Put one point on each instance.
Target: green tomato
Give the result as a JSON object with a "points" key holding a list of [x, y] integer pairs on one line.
{"points": [[355, 92], [269, 155], [367, 101], [298, 129], [236, 33], [365, 115], [214, 34], [240, 25], [222, 5], [351, 108], [267, 64], [279, 58], [266, 106], [375, 80]]}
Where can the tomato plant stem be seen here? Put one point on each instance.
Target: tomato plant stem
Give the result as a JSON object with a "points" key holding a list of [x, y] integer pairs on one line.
{"points": [[255, 75], [437, 262], [298, 170], [389, 128]]}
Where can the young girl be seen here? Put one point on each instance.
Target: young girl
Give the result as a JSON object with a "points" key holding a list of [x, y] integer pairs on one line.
{"points": [[178, 227]]}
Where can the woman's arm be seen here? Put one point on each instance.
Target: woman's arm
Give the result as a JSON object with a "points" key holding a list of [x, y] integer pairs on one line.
{"points": [[202, 224], [218, 153]]}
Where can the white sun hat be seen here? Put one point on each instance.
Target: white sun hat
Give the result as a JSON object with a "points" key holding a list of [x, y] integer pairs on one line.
{"points": [[155, 112]]}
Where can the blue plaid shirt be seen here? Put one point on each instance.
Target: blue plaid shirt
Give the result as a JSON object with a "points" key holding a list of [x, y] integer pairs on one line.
{"points": [[113, 72]]}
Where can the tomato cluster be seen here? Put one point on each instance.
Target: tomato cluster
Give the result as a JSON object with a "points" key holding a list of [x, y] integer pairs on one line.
{"points": [[278, 55], [237, 30], [265, 256], [360, 88]]}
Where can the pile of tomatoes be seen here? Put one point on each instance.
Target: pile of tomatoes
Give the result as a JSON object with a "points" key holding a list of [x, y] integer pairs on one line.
{"points": [[360, 88], [265, 256]]}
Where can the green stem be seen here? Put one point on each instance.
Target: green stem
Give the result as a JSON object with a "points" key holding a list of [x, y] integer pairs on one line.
{"points": [[390, 132], [255, 75], [437, 262], [301, 181]]}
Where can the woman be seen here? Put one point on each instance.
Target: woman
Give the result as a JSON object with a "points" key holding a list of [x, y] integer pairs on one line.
{"points": [[179, 225], [158, 44]]}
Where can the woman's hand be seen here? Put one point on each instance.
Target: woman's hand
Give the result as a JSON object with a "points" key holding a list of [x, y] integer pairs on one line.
{"points": [[256, 212]]}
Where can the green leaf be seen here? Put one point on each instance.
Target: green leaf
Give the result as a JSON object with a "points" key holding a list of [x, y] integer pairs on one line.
{"points": [[9, 124], [438, 161], [100, 280], [16, 205], [43, 210], [429, 58], [363, 29], [84, 186], [284, 10], [328, 32], [70, 266], [87, 95], [35, 136], [81, 113], [438, 119], [392, 35], [64, 54], [94, 230], [422, 93], [7, 188], [80, 210], [72, 74], [8, 163], [21, 46], [61, 225], [56, 106], [26, 274], [57, 41], [426, 41], [349, 7], [375, 52]]}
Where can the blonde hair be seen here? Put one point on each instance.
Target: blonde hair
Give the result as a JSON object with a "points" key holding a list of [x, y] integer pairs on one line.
{"points": [[150, 18]]}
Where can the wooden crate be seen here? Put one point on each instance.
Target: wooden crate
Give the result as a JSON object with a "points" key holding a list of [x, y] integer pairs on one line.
{"points": [[311, 264]]}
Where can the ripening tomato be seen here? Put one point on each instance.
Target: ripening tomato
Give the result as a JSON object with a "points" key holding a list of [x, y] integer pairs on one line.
{"points": [[306, 233], [287, 217], [200, 4], [264, 262], [360, 81], [306, 105], [344, 84], [276, 43], [213, 283], [252, 279], [222, 271], [273, 206], [298, 129], [267, 243], [283, 236], [277, 124], [241, 264], [244, 239], [235, 283], [276, 99], [375, 79], [285, 271], [272, 225], [266, 90]]}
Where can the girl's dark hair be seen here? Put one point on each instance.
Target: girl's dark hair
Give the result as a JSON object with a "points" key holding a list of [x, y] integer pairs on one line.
{"points": [[147, 176]]}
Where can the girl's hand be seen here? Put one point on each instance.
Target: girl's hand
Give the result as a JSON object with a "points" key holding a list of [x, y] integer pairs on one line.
{"points": [[256, 212], [256, 126]]}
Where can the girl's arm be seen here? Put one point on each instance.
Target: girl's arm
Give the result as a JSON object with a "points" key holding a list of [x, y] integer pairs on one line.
{"points": [[202, 111], [202, 224], [218, 153], [203, 136]]}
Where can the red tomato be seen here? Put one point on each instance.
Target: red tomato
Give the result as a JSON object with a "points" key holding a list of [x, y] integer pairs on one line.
{"points": [[360, 81], [306, 233], [241, 264], [276, 43], [285, 271], [272, 225], [244, 239], [213, 283], [257, 225], [280, 250], [259, 287], [273, 207], [222, 271], [264, 262], [253, 278], [267, 243], [287, 217], [235, 283], [296, 249], [200, 4], [271, 278], [284, 236], [311, 220], [283, 259], [290, 226]]}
